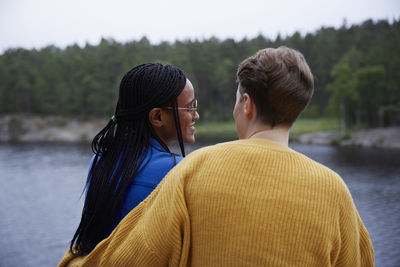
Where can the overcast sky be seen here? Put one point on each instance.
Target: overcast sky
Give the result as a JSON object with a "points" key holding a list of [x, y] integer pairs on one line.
{"points": [[38, 23]]}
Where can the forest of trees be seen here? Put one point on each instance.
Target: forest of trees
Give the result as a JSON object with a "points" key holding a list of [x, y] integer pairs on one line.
{"points": [[356, 69]]}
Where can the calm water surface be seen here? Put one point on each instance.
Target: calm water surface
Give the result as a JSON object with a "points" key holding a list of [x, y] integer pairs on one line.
{"points": [[41, 185]]}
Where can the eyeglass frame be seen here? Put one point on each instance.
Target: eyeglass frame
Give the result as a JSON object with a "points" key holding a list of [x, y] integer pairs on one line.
{"points": [[192, 109]]}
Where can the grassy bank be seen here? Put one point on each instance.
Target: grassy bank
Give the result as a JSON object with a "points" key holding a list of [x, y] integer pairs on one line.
{"points": [[216, 131], [17, 128], [225, 131], [303, 126], [38, 129]]}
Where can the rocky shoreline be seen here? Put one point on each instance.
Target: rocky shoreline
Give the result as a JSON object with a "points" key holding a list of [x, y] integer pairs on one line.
{"points": [[377, 137], [35, 129]]}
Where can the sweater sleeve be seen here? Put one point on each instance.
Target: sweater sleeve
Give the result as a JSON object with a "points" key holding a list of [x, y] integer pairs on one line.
{"points": [[155, 233], [366, 249], [355, 243]]}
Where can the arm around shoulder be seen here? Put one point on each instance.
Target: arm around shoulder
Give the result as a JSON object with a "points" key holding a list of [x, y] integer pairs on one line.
{"points": [[155, 233]]}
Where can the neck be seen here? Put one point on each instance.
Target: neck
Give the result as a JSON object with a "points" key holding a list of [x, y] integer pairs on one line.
{"points": [[278, 134]]}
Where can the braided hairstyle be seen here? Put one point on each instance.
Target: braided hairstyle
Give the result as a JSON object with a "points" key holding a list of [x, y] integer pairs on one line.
{"points": [[120, 148]]}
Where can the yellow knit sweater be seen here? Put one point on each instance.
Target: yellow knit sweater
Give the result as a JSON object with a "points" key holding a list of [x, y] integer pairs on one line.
{"points": [[242, 203]]}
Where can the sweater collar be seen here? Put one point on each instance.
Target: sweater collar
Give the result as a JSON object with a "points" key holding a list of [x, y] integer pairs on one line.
{"points": [[265, 143]]}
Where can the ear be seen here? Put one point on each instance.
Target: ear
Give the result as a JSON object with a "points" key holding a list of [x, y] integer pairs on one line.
{"points": [[155, 117], [249, 107]]}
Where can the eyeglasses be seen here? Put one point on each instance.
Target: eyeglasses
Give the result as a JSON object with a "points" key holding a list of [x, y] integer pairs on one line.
{"points": [[191, 107]]}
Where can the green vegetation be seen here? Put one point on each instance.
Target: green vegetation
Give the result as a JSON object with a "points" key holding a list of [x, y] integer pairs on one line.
{"points": [[15, 128], [304, 125], [226, 131], [345, 136], [216, 131], [356, 69]]}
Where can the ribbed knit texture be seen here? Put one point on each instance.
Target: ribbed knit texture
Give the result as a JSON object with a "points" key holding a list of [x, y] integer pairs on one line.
{"points": [[242, 203]]}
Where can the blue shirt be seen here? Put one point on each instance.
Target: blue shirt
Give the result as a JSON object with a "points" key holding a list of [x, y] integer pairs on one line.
{"points": [[160, 162]]}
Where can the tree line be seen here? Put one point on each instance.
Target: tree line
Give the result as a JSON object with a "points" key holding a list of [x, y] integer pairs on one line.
{"points": [[356, 70]]}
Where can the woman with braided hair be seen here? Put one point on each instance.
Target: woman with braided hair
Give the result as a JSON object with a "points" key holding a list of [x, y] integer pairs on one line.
{"points": [[156, 105]]}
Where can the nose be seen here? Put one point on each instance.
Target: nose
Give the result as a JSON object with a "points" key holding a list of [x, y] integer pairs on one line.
{"points": [[196, 116]]}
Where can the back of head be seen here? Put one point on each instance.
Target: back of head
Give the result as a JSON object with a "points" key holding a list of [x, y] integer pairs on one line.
{"points": [[148, 86], [280, 83], [142, 88]]}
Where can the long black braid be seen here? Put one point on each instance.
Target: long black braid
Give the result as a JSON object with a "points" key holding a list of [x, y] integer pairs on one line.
{"points": [[120, 148]]}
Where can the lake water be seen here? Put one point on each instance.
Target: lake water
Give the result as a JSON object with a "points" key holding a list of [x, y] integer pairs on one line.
{"points": [[40, 203]]}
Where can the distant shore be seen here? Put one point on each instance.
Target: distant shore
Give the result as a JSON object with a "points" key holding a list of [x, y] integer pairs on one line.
{"points": [[377, 137], [35, 129]]}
